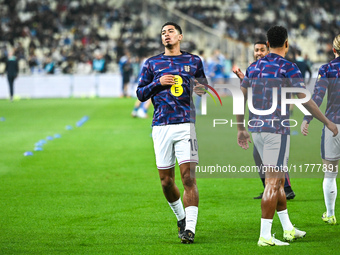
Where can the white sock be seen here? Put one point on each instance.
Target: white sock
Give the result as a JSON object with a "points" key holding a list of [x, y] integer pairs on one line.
{"points": [[285, 221], [177, 208], [330, 192], [266, 228], [191, 213]]}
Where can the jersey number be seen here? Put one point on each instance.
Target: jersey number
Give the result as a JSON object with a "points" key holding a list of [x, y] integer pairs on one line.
{"points": [[193, 144]]}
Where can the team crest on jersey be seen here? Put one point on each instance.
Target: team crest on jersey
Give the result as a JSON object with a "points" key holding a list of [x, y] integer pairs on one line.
{"points": [[187, 69]]}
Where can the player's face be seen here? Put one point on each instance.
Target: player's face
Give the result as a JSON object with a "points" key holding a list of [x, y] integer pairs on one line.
{"points": [[260, 50], [170, 36]]}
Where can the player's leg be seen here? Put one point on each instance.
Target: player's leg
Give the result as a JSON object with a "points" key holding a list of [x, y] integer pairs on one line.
{"points": [[170, 190], [125, 90], [172, 195], [281, 147], [288, 187], [146, 106], [275, 154], [190, 196], [190, 199], [289, 232], [11, 89], [269, 199], [186, 150], [281, 199], [135, 108], [123, 86], [258, 162], [273, 192], [165, 161], [330, 153], [330, 190], [142, 112], [266, 223]]}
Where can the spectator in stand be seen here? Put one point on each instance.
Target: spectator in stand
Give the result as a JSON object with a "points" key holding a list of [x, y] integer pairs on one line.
{"points": [[99, 63], [303, 66], [49, 24], [32, 60], [49, 65]]}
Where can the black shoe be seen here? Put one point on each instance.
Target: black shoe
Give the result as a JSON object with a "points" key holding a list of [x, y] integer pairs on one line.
{"points": [[188, 237], [259, 197], [289, 193], [181, 227]]}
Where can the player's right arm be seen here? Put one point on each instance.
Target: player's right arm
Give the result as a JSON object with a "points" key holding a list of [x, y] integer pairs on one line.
{"points": [[149, 85], [243, 137], [167, 80], [313, 108], [239, 73]]}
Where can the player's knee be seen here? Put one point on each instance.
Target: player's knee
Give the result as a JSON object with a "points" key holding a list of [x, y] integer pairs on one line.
{"points": [[187, 179], [167, 182], [274, 183]]}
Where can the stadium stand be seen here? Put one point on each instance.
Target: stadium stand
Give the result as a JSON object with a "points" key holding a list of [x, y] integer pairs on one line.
{"points": [[66, 34], [311, 23]]}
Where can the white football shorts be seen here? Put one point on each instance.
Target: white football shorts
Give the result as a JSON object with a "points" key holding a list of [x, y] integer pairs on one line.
{"points": [[330, 146], [175, 141], [273, 149]]}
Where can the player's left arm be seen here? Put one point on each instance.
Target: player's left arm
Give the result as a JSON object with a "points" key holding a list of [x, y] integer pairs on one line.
{"points": [[200, 78]]}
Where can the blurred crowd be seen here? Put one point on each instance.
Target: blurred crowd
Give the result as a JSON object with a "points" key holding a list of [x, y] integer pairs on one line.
{"points": [[248, 20], [50, 36], [72, 36]]}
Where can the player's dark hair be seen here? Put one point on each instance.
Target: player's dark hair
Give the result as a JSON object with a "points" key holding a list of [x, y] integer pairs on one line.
{"points": [[177, 27], [276, 36], [261, 42]]}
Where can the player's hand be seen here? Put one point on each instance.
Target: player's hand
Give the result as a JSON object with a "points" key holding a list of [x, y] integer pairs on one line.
{"points": [[243, 138], [304, 127], [167, 80], [332, 127], [239, 73], [198, 88]]}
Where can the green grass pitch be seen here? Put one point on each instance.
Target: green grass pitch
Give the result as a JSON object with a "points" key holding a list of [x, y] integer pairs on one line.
{"points": [[96, 189]]}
